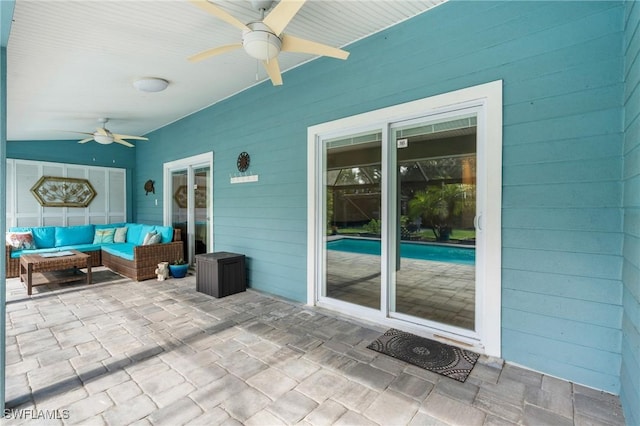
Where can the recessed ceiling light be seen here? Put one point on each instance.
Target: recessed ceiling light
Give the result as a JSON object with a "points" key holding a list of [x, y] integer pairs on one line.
{"points": [[150, 84]]}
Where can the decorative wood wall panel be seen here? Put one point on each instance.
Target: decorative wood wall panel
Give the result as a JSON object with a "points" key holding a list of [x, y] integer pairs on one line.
{"points": [[23, 209]]}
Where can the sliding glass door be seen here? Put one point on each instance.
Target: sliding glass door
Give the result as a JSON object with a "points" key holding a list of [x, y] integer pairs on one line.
{"points": [[433, 234], [353, 191], [188, 192], [405, 216]]}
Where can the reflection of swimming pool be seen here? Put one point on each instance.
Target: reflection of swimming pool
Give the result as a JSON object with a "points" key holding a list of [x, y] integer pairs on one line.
{"points": [[440, 253]]}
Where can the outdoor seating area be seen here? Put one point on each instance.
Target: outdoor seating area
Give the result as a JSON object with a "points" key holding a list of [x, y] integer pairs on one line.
{"points": [[117, 352], [135, 254]]}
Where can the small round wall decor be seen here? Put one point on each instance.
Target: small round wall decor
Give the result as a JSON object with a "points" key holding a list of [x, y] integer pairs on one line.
{"points": [[243, 161]]}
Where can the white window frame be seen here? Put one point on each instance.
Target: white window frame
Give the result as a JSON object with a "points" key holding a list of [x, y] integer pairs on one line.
{"points": [[488, 98]]}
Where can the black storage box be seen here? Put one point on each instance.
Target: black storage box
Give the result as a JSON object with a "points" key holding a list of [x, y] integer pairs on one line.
{"points": [[220, 274]]}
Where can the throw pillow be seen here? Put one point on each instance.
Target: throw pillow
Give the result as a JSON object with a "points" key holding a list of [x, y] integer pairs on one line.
{"points": [[120, 236], [20, 240], [151, 238], [104, 236]]}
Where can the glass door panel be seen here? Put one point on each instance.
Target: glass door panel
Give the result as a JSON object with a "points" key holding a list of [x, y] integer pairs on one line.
{"points": [[179, 204], [191, 208], [352, 226], [433, 257], [202, 212]]}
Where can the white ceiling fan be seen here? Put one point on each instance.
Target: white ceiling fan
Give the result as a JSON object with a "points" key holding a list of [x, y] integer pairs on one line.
{"points": [[264, 39], [104, 136]]}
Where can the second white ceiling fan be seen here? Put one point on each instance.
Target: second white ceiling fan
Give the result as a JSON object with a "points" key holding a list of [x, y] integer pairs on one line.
{"points": [[264, 39]]}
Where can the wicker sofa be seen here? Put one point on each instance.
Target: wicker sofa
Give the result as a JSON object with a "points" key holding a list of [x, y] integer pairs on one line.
{"points": [[129, 258]]}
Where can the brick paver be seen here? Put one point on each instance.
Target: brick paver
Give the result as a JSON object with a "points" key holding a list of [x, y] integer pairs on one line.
{"points": [[119, 352]]}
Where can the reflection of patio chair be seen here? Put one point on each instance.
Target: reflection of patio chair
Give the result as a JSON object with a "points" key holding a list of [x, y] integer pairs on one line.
{"points": [[408, 232]]}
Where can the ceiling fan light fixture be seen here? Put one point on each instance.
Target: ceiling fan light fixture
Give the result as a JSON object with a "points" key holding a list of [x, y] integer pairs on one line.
{"points": [[260, 43], [151, 84], [103, 139]]}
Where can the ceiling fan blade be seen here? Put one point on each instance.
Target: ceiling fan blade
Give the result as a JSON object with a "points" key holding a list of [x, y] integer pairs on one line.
{"points": [[282, 14], [86, 140], [218, 13], [140, 138], [300, 45], [123, 142], [102, 131], [71, 131], [273, 69], [213, 52]]}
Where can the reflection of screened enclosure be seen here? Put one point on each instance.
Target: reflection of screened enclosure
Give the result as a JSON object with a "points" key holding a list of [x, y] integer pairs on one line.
{"points": [[354, 192], [436, 169]]}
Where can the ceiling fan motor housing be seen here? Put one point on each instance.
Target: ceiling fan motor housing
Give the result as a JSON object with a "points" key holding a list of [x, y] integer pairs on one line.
{"points": [[260, 42]]}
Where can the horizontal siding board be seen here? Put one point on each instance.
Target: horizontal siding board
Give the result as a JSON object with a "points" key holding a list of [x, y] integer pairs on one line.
{"points": [[579, 56], [566, 195], [602, 338], [631, 348], [632, 221], [631, 163], [565, 263], [604, 122], [584, 101], [631, 250], [632, 130], [631, 315], [631, 278], [568, 81], [602, 169], [630, 369], [569, 241], [564, 286], [562, 359], [562, 150], [579, 219], [630, 394], [600, 314]]}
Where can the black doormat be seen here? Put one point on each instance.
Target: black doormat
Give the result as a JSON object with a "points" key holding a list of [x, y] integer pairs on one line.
{"points": [[446, 360]]}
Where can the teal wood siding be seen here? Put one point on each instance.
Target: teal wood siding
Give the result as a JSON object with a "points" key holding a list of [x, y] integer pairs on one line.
{"points": [[561, 63], [630, 371]]}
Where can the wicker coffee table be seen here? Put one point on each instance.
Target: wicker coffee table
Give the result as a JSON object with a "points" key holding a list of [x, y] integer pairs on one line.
{"points": [[37, 269]]}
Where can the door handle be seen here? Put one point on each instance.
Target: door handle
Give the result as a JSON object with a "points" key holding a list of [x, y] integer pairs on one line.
{"points": [[477, 222]]}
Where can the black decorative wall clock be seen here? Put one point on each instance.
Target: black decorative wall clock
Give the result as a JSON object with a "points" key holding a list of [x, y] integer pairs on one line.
{"points": [[243, 161]]}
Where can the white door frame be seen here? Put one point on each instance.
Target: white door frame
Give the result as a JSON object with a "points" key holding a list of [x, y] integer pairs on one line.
{"points": [[488, 97], [189, 164]]}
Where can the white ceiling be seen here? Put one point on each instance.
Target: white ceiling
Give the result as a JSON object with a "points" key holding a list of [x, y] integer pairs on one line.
{"points": [[72, 62]]}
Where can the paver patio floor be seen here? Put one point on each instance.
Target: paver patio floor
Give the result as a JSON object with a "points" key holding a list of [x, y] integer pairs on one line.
{"points": [[118, 352]]}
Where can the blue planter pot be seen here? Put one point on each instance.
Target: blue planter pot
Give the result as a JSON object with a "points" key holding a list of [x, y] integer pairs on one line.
{"points": [[178, 271]]}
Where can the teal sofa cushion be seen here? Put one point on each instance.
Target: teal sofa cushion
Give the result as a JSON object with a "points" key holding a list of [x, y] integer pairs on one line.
{"points": [[110, 225], [82, 247], [70, 235], [133, 232], [16, 253], [166, 232], [123, 250], [43, 236], [143, 233]]}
